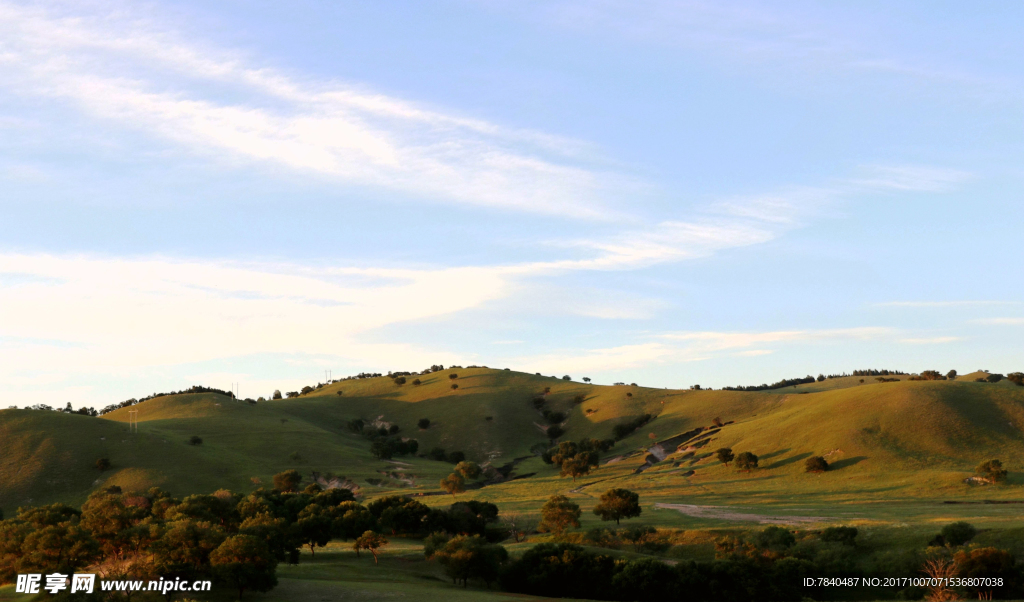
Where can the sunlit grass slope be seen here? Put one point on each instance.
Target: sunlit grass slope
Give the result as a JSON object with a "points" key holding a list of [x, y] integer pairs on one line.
{"points": [[909, 442]]}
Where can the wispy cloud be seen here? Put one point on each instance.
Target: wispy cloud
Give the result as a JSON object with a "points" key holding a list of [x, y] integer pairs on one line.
{"points": [[911, 178], [1000, 321], [930, 340], [211, 101], [916, 304]]}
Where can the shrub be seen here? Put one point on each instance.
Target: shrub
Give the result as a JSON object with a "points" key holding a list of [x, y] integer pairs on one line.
{"points": [[455, 386], [554, 417], [355, 425], [306, 389], [844, 535], [438, 454], [470, 470], [423, 423], [586, 379], [566, 377], [291, 394], [195, 440], [994, 378], [456, 456], [815, 464], [746, 461], [417, 382], [1016, 378], [579, 399], [102, 464], [774, 538], [555, 431], [538, 402], [453, 376], [400, 380], [958, 533]]}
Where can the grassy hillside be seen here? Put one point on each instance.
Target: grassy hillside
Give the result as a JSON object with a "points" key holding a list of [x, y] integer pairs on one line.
{"points": [[909, 444]]}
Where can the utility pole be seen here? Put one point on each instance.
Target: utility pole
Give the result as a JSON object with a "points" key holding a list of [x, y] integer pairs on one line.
{"points": [[133, 421]]}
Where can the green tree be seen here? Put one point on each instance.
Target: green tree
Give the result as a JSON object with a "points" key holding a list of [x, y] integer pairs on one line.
{"points": [[287, 481], [1016, 378], [277, 394], [746, 461], [183, 549], [471, 557], [245, 562], [195, 440], [992, 470], [271, 530], [987, 563], [423, 423], [370, 541], [455, 386], [454, 483], [353, 520], [815, 464], [617, 504], [470, 470], [951, 375], [724, 455], [453, 376], [558, 514], [314, 527], [578, 465], [774, 538]]}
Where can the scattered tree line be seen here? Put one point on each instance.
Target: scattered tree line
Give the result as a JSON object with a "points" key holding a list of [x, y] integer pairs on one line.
{"points": [[579, 458], [385, 442], [65, 410]]}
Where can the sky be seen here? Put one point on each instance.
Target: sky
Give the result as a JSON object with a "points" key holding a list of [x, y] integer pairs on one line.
{"points": [[662, 192]]}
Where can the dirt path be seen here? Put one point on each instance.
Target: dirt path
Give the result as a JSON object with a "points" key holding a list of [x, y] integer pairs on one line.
{"points": [[724, 513]]}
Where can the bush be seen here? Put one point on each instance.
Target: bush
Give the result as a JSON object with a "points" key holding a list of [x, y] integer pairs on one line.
{"points": [[455, 386], [287, 481], [355, 425], [844, 535], [291, 394], [307, 389], [417, 382], [538, 402], [774, 538], [746, 461], [958, 533], [815, 464], [423, 423], [456, 456], [566, 377], [102, 464], [438, 454], [453, 376], [195, 440], [400, 380], [1016, 378], [994, 378], [555, 431], [554, 417]]}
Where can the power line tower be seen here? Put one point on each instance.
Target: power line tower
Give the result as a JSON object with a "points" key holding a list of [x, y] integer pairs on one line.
{"points": [[133, 421]]}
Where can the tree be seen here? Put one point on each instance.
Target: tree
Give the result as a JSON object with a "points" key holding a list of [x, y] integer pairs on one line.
{"points": [[1016, 378], [287, 481], [815, 464], [558, 514], [617, 504], [370, 541], [417, 382], [992, 470], [746, 461], [774, 538], [470, 470], [994, 378], [400, 380], [423, 423], [951, 375], [453, 376], [554, 432], [195, 440], [518, 525], [314, 527], [246, 562], [566, 377], [454, 483], [724, 455], [844, 535], [578, 465], [277, 394], [102, 464], [455, 386], [989, 564], [465, 558], [586, 379], [456, 456]]}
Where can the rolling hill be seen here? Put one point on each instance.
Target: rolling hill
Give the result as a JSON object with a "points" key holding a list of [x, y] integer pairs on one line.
{"points": [[910, 442]]}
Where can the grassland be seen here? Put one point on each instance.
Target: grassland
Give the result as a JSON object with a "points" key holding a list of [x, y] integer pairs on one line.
{"points": [[899, 452]]}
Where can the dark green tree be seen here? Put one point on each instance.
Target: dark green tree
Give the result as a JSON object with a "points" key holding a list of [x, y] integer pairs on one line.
{"points": [[617, 504], [246, 563], [815, 464], [746, 461], [724, 455], [558, 514], [287, 481]]}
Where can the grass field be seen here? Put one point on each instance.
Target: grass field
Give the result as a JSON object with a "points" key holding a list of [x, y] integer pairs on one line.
{"points": [[899, 454]]}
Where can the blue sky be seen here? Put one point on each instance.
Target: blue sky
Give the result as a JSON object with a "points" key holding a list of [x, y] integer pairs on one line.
{"points": [[667, 193]]}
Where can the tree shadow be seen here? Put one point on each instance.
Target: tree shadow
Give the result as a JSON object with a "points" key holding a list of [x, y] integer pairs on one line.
{"points": [[789, 460], [840, 464], [771, 455]]}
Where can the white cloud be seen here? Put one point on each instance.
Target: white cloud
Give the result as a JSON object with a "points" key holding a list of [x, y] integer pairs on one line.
{"points": [[134, 75], [930, 340], [911, 178], [720, 341], [1000, 321], [943, 303]]}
